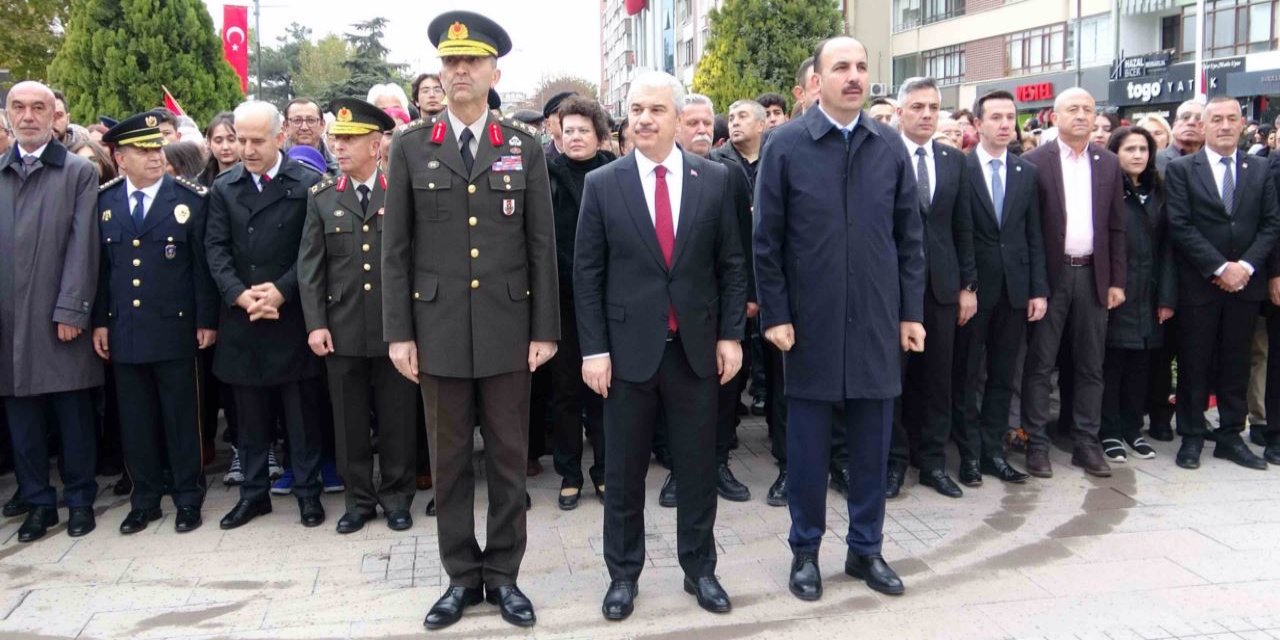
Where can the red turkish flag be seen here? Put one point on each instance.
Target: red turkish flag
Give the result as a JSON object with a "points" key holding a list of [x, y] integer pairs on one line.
{"points": [[235, 41]]}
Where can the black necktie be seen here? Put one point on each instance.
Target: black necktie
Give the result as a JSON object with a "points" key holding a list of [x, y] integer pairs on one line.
{"points": [[364, 198], [467, 159]]}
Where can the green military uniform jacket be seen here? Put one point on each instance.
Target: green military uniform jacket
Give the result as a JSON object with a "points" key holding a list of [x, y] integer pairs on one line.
{"points": [[469, 259], [340, 266]]}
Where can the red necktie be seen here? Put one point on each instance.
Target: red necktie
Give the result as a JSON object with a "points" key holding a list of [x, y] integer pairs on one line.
{"points": [[666, 230]]}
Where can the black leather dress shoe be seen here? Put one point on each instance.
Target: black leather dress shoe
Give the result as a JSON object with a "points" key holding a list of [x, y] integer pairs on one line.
{"points": [[941, 482], [728, 486], [619, 600], [1258, 434], [840, 482], [352, 521], [38, 521], [710, 594], [80, 521], [893, 481], [138, 519], [448, 609], [1189, 452], [569, 496], [1272, 454], [1161, 432], [1239, 453], [311, 511], [667, 497], [514, 606], [123, 486], [806, 577], [431, 508], [188, 519], [970, 473], [399, 520], [777, 496], [1002, 470], [875, 572], [244, 511], [16, 506]]}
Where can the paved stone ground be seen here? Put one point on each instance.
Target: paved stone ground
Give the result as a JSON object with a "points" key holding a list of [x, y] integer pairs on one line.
{"points": [[1153, 552]]}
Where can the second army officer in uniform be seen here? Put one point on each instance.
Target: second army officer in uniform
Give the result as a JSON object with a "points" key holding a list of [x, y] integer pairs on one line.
{"points": [[340, 283], [471, 306], [156, 305]]}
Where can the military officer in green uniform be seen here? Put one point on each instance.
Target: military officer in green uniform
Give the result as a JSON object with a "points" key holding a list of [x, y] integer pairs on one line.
{"points": [[471, 307], [340, 284]]}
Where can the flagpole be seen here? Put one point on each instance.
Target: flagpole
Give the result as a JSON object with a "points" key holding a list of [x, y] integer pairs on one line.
{"points": [[1200, 88], [257, 43]]}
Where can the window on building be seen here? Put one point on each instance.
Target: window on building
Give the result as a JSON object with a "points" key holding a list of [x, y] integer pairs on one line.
{"points": [[1036, 50], [1170, 28], [906, 14], [904, 67], [946, 65], [909, 14], [1232, 28], [1096, 41], [937, 10]]}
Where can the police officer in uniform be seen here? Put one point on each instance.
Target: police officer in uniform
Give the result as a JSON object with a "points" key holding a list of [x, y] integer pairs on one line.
{"points": [[471, 306], [156, 306], [340, 282]]}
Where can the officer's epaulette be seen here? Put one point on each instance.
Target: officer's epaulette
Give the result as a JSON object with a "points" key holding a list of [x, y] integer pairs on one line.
{"points": [[416, 124], [110, 183], [199, 189], [519, 126], [323, 184]]}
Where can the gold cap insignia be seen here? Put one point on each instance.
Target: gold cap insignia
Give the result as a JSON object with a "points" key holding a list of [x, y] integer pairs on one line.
{"points": [[458, 31], [344, 115], [106, 216], [152, 121], [181, 213]]}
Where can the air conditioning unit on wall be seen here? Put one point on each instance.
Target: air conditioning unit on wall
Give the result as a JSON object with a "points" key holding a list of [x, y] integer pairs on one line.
{"points": [[879, 89]]}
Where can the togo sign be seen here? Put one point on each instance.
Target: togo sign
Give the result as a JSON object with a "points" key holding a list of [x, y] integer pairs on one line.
{"points": [[1176, 85]]}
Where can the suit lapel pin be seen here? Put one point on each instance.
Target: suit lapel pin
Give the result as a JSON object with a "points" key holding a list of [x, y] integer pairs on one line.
{"points": [[1018, 169], [1244, 165], [1095, 156], [434, 164], [944, 152], [693, 172]]}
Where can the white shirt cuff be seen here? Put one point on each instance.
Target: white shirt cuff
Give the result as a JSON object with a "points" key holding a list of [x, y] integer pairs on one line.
{"points": [[1219, 271], [596, 355], [1247, 267]]}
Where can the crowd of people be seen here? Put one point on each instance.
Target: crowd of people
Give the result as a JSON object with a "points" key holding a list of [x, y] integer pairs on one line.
{"points": [[357, 287]]}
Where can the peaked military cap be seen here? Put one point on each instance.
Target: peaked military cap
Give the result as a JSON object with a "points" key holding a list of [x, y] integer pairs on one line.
{"points": [[355, 117], [138, 130], [463, 33]]}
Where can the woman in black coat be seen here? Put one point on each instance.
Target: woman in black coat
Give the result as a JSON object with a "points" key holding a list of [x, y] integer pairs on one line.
{"points": [[585, 139], [1133, 329]]}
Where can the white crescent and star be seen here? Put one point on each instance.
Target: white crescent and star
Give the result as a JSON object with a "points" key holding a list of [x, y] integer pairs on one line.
{"points": [[227, 37]]}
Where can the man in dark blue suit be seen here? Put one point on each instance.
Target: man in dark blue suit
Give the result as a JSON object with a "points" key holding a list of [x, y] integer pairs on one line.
{"points": [[156, 306], [661, 292], [840, 272]]}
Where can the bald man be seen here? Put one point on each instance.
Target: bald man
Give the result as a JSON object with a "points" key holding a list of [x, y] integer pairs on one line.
{"points": [[48, 279]]}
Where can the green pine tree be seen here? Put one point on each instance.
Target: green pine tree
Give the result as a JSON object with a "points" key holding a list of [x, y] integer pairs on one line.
{"points": [[118, 53], [32, 34], [757, 45], [366, 64]]}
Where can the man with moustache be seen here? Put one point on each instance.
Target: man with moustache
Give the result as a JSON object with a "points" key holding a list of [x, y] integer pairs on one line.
{"points": [[950, 298], [660, 289], [256, 213], [340, 286], [697, 117], [840, 270], [48, 279], [1224, 218], [304, 125], [471, 307], [156, 307]]}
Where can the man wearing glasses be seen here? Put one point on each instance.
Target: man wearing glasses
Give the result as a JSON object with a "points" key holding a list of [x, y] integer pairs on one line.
{"points": [[304, 125]]}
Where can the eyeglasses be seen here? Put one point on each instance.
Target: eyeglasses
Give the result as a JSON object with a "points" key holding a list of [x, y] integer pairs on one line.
{"points": [[299, 121]]}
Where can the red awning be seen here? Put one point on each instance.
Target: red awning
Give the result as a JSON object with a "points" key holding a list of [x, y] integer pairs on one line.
{"points": [[635, 6]]}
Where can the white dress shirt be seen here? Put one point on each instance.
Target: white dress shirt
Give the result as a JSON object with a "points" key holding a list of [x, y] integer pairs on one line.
{"points": [[674, 162], [22, 153], [477, 128], [271, 173], [837, 124], [1077, 195], [931, 165], [984, 160], [148, 195], [1219, 174]]}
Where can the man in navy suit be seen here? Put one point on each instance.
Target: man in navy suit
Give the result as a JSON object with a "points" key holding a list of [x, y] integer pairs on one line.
{"points": [[950, 299], [661, 291], [1224, 220], [156, 305], [840, 272]]}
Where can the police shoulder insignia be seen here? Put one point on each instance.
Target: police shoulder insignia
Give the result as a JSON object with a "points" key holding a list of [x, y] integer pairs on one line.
{"points": [[196, 187], [111, 183]]}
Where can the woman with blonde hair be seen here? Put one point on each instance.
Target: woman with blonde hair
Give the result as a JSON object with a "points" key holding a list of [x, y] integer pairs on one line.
{"points": [[1158, 127]]}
